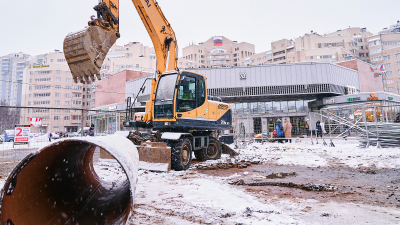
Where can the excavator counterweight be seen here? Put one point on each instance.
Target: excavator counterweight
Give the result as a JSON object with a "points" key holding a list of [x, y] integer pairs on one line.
{"points": [[86, 50]]}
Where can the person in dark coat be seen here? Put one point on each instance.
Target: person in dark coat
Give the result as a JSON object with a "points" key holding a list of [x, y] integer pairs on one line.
{"points": [[279, 130], [319, 128], [91, 130]]}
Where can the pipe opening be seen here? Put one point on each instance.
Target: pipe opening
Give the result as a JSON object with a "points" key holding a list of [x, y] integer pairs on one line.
{"points": [[60, 185]]}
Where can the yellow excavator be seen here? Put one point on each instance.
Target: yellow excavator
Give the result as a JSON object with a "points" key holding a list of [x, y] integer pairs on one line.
{"points": [[180, 112]]}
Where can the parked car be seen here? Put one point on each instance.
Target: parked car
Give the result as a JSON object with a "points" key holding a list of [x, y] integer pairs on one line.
{"points": [[55, 136], [9, 135], [71, 134]]}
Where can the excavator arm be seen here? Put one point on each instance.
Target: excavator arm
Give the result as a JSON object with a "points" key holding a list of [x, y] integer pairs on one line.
{"points": [[86, 50]]}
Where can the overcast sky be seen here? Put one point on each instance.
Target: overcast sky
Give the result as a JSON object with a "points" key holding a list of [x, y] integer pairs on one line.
{"points": [[39, 26]]}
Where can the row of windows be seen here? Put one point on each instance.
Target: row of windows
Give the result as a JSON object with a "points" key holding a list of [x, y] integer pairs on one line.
{"points": [[40, 103], [40, 95], [376, 58], [41, 79], [41, 87], [41, 72], [333, 44], [57, 102], [55, 110], [271, 107], [390, 42], [374, 43]]}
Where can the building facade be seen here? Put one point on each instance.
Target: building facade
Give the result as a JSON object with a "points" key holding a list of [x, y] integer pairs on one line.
{"points": [[48, 88], [384, 50], [217, 51]]}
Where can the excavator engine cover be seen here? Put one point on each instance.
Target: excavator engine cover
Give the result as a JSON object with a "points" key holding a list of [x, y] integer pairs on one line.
{"points": [[58, 185], [86, 50]]}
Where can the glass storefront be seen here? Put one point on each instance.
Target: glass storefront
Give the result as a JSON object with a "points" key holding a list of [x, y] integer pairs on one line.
{"points": [[271, 107], [108, 122]]}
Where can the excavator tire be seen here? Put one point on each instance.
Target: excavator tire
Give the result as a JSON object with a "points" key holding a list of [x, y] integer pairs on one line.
{"points": [[181, 154], [214, 150], [86, 50]]}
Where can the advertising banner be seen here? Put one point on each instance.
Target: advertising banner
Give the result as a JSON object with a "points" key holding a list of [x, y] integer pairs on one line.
{"points": [[22, 134], [218, 41]]}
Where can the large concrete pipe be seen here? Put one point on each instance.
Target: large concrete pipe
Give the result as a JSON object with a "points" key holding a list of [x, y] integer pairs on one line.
{"points": [[58, 185]]}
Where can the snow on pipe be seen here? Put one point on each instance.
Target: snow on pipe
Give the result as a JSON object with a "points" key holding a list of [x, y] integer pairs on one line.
{"points": [[58, 185]]}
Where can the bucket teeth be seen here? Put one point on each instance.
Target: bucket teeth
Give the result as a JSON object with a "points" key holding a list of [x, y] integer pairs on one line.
{"points": [[86, 50]]}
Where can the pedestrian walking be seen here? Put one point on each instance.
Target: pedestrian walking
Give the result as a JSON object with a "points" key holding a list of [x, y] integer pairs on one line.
{"points": [[306, 127], [91, 130], [319, 129], [279, 130], [287, 129], [49, 136]]}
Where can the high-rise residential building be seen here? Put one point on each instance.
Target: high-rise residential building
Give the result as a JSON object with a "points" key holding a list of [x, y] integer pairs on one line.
{"points": [[384, 51], [217, 51], [48, 83], [132, 56], [12, 67]]}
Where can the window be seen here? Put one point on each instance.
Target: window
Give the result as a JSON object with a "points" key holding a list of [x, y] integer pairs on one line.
{"points": [[68, 95], [68, 80], [76, 87], [42, 79], [68, 73], [77, 95], [388, 73], [137, 65], [29, 103], [365, 40], [56, 117], [390, 89], [387, 65], [30, 80], [374, 43], [30, 88], [76, 102], [376, 58], [67, 111], [41, 102], [375, 50], [311, 57], [43, 72], [386, 57], [58, 79], [333, 44], [30, 95], [67, 103], [57, 102], [58, 94], [397, 56], [186, 94], [39, 87], [58, 86], [90, 103], [360, 47], [326, 57], [40, 95], [358, 40], [398, 63], [66, 118], [367, 54], [68, 87], [58, 71], [61, 60], [57, 110]]}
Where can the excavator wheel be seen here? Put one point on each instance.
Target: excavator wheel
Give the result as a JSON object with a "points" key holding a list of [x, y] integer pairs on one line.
{"points": [[181, 154], [214, 150]]}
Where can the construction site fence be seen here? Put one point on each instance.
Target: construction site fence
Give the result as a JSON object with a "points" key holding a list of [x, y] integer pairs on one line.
{"points": [[43, 121]]}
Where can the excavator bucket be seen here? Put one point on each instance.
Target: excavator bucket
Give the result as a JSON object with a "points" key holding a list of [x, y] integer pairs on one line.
{"points": [[86, 50]]}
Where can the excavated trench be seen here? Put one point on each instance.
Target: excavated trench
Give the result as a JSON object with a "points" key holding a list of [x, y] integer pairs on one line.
{"points": [[58, 185]]}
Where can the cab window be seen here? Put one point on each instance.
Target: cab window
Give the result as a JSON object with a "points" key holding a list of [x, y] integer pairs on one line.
{"points": [[187, 94]]}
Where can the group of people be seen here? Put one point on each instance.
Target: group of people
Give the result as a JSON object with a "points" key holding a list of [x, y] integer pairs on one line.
{"points": [[283, 132]]}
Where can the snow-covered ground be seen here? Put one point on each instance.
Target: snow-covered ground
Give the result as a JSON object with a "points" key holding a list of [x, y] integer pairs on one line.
{"points": [[191, 197]]}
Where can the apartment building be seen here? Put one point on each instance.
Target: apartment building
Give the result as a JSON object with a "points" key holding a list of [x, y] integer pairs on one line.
{"points": [[132, 56], [12, 67], [48, 83], [312, 47], [384, 48], [218, 51]]}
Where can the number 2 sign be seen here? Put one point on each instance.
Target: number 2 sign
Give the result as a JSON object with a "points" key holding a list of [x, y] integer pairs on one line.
{"points": [[22, 134]]}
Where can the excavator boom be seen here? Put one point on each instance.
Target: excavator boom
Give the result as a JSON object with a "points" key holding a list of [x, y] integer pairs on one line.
{"points": [[86, 50]]}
